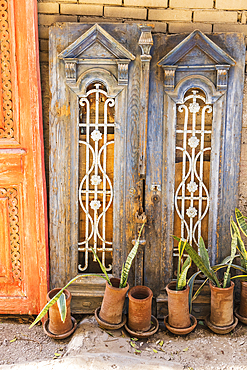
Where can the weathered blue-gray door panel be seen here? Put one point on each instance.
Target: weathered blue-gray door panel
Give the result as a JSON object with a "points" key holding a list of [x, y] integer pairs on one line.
{"points": [[152, 190]]}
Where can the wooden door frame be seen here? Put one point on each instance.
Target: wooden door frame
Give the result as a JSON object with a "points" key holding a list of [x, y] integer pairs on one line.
{"points": [[29, 172]]}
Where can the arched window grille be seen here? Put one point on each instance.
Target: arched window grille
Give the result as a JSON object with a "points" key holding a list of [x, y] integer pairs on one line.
{"points": [[192, 168], [96, 163]]}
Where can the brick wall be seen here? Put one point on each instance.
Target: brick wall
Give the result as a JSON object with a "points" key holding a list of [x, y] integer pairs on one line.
{"points": [[171, 16], [168, 16]]}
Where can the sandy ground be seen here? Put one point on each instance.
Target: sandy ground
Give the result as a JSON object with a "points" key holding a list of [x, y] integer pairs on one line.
{"points": [[198, 350]]}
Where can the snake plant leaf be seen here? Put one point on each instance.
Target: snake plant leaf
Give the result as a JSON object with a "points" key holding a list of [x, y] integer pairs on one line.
{"points": [[181, 246], [243, 253], [209, 273], [129, 260], [227, 282], [182, 278], [241, 277], [190, 283], [186, 264], [204, 253], [103, 269], [240, 244], [241, 221], [237, 267], [44, 311], [233, 227], [61, 302], [121, 278]]}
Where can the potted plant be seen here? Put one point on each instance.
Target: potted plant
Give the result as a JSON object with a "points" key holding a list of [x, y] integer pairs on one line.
{"points": [[241, 311], [109, 315], [179, 320], [221, 320], [60, 297], [141, 323]]}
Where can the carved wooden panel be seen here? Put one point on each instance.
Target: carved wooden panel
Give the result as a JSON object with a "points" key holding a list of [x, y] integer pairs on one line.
{"points": [[6, 110], [23, 223]]}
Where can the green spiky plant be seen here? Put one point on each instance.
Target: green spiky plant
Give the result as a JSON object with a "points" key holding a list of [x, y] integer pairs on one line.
{"points": [[183, 268], [235, 230], [203, 264], [60, 296]]}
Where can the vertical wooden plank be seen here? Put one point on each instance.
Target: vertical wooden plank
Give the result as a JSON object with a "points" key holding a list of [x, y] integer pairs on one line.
{"points": [[235, 46], [22, 181], [60, 162], [153, 265]]}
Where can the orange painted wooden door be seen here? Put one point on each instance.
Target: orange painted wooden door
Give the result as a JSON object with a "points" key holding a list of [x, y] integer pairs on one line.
{"points": [[23, 223]]}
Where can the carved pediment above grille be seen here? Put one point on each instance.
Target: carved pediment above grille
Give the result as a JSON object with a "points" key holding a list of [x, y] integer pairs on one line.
{"points": [[96, 46], [196, 54]]}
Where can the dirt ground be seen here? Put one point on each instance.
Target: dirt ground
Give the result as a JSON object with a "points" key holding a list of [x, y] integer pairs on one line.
{"points": [[198, 350]]}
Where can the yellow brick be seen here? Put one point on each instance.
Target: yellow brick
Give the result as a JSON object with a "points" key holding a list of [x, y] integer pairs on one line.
{"points": [[231, 4], [244, 18], [80, 9], [47, 20], [189, 27], [191, 4], [160, 27], [241, 28], [169, 15], [43, 45], [147, 3], [57, 1], [215, 16], [48, 8], [43, 32], [43, 57], [105, 2], [124, 12]]}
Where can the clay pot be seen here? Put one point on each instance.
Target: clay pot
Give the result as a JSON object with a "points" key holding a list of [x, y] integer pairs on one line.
{"points": [[178, 306], [140, 308], [221, 305], [243, 299], [56, 326], [112, 306]]}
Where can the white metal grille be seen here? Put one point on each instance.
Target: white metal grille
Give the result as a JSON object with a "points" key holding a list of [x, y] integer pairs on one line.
{"points": [[193, 147], [96, 125]]}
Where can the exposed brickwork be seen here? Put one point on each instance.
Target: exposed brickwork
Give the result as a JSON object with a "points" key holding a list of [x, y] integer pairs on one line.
{"points": [[105, 2], [57, 1], [189, 27], [242, 28], [191, 4], [215, 16], [48, 8], [124, 12], [231, 4], [43, 32], [44, 45], [147, 3], [47, 20], [80, 9], [169, 15]]}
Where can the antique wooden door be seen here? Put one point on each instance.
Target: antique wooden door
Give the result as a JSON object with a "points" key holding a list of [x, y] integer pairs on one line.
{"points": [[141, 124], [23, 224]]}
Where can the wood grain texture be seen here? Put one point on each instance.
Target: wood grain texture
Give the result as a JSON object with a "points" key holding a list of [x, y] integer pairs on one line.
{"points": [[24, 245], [155, 193]]}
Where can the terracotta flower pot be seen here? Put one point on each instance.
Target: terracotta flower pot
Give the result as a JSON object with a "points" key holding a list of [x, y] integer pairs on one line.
{"points": [[140, 308], [243, 299], [112, 306], [221, 305], [56, 326], [178, 306]]}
